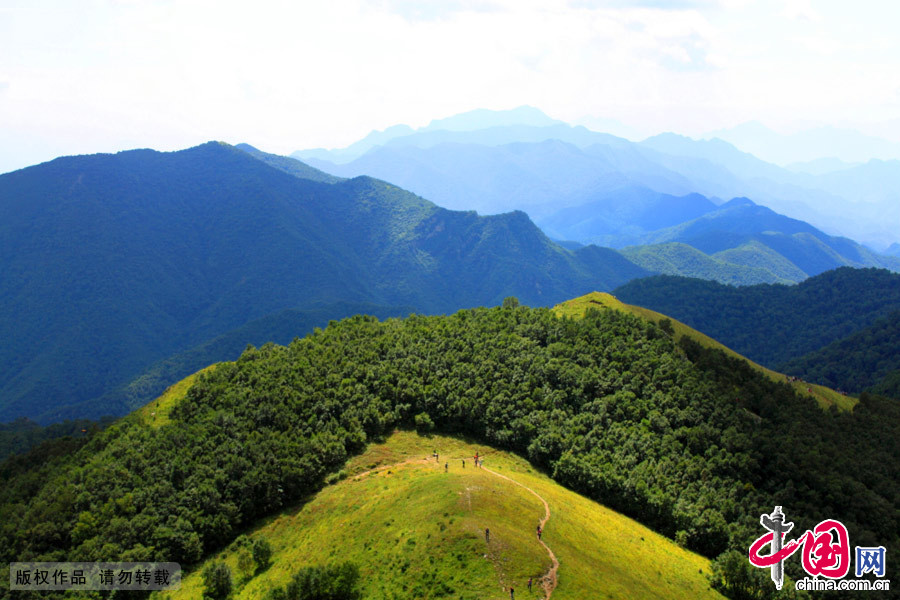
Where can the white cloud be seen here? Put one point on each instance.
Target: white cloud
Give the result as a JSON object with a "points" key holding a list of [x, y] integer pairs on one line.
{"points": [[801, 10], [284, 75]]}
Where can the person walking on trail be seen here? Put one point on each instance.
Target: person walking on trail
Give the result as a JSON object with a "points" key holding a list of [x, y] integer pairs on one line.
{"points": [[487, 535], [529, 583], [512, 593], [446, 467], [539, 531], [464, 463]]}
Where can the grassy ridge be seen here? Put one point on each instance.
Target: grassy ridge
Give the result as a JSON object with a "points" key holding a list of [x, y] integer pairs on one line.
{"points": [[575, 308], [156, 414], [416, 531]]}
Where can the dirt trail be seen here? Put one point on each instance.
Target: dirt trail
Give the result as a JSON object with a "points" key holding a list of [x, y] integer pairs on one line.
{"points": [[549, 580], [408, 461]]}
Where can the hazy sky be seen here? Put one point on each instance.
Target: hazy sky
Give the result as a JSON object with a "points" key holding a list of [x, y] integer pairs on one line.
{"points": [[103, 75]]}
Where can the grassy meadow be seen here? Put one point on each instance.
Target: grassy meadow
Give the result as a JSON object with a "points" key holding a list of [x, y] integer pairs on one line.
{"points": [[416, 531]]}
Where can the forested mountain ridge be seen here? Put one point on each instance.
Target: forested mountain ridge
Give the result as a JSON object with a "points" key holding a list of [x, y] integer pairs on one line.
{"points": [[611, 192], [290, 166], [866, 359], [826, 397], [772, 324], [681, 437], [111, 263]]}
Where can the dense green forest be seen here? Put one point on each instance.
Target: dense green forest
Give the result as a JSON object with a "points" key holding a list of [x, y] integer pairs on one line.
{"points": [[22, 434], [685, 439], [772, 324], [889, 386], [862, 360]]}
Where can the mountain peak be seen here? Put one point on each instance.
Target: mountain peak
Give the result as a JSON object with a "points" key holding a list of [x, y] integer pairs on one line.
{"points": [[736, 202]]}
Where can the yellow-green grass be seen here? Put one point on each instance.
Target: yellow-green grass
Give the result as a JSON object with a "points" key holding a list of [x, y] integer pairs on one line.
{"points": [[577, 306], [416, 531], [156, 413]]}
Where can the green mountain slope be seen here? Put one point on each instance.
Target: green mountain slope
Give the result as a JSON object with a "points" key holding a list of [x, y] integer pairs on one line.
{"points": [[617, 216], [675, 258], [742, 243], [680, 436], [23, 434], [772, 324], [418, 532], [576, 308], [111, 263], [289, 165], [756, 255], [857, 362], [280, 328], [740, 221]]}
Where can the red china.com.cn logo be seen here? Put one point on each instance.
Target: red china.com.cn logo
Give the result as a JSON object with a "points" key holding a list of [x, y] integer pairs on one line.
{"points": [[825, 553]]}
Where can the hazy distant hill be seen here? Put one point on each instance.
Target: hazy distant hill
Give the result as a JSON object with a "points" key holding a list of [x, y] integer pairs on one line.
{"points": [[502, 123], [743, 232], [607, 191], [848, 145], [859, 201], [773, 324], [716, 152], [738, 243], [110, 263], [620, 216], [537, 176], [820, 166]]}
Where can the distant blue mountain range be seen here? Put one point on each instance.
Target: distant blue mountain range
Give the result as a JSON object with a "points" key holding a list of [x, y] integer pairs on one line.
{"points": [[501, 162]]}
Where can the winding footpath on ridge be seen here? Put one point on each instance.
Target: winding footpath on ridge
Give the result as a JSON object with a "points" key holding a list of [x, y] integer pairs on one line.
{"points": [[548, 581]]}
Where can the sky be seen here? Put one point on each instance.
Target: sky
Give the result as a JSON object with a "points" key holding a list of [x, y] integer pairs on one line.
{"points": [[107, 75]]}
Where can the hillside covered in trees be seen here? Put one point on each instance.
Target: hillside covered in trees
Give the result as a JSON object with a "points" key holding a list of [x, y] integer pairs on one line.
{"points": [[690, 441], [867, 359], [113, 262], [770, 323]]}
